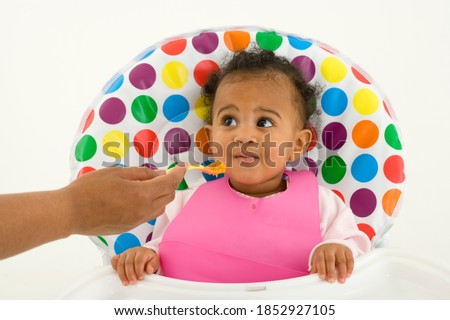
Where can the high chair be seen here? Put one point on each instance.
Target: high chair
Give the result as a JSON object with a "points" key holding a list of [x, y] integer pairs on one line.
{"points": [[150, 114]]}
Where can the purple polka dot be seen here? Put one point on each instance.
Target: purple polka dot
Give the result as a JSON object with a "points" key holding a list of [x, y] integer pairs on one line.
{"points": [[205, 42], [149, 165], [112, 111], [142, 76], [311, 164], [363, 202], [177, 140], [306, 66], [334, 135], [149, 237]]}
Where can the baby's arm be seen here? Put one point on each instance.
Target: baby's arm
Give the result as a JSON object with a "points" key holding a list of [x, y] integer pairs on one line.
{"points": [[342, 240], [131, 264]]}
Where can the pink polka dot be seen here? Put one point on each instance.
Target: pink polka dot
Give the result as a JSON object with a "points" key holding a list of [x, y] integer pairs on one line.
{"points": [[142, 76]]}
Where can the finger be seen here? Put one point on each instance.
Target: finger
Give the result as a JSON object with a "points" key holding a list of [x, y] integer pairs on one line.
{"points": [[140, 173], [121, 269], [129, 267], [341, 266], [350, 262], [320, 264], [330, 262], [140, 261], [167, 183], [153, 264], [114, 261]]}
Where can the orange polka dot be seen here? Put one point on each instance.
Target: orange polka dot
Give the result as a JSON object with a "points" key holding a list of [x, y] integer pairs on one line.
{"points": [[368, 230], [201, 141], [390, 200], [365, 134], [359, 75], [236, 40]]}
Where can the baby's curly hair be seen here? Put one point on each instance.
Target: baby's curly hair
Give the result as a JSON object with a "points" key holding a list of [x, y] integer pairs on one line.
{"points": [[259, 61]]}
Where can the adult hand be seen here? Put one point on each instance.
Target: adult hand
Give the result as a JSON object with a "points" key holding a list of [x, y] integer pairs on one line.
{"points": [[101, 202], [115, 200]]}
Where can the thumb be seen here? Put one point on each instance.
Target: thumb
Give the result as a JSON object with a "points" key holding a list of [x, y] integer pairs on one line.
{"points": [[177, 173]]}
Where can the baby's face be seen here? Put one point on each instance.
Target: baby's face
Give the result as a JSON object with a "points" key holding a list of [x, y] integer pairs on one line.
{"points": [[255, 130]]}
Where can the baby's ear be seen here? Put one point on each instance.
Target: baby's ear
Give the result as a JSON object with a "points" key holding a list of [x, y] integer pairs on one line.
{"points": [[303, 138], [208, 128]]}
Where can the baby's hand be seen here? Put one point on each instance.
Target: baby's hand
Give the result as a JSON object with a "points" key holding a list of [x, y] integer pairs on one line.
{"points": [[330, 259], [131, 264]]}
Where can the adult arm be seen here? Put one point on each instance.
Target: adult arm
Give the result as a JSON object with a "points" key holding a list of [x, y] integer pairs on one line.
{"points": [[106, 201]]}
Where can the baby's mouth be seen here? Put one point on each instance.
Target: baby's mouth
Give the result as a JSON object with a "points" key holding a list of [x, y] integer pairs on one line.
{"points": [[246, 157]]}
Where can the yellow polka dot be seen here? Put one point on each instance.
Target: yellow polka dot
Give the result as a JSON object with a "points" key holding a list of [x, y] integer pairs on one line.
{"points": [[201, 109], [365, 101], [333, 69], [115, 144], [175, 75]]}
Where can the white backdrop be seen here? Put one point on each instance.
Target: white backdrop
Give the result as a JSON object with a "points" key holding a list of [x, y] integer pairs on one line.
{"points": [[55, 56]]}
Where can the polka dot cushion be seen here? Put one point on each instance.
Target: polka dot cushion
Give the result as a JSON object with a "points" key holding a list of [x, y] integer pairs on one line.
{"points": [[150, 114]]}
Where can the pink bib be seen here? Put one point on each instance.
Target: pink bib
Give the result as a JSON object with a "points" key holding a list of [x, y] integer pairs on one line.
{"points": [[222, 236]]}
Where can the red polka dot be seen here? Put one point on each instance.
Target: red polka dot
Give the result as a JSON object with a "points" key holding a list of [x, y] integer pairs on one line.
{"points": [[84, 170], [359, 75], [368, 230], [146, 143], [394, 169], [340, 195], [203, 69], [88, 122], [174, 47]]}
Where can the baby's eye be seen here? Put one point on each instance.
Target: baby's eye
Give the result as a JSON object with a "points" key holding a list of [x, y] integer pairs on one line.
{"points": [[229, 121], [264, 123]]}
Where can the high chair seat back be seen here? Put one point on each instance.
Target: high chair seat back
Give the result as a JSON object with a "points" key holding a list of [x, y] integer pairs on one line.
{"points": [[150, 114]]}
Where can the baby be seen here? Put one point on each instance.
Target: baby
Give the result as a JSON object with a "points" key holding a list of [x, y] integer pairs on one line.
{"points": [[260, 222]]}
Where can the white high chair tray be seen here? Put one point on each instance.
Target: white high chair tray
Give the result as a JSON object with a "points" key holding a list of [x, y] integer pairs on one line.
{"points": [[380, 274]]}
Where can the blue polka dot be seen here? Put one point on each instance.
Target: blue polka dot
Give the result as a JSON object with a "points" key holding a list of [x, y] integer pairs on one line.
{"points": [[364, 168], [126, 241], [152, 222], [299, 43], [145, 54], [176, 108], [210, 177], [114, 84], [334, 101]]}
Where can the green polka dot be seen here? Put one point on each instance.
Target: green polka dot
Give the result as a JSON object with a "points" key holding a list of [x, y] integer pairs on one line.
{"points": [[269, 40], [183, 185], [391, 137], [144, 109], [103, 240], [85, 148], [333, 169]]}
